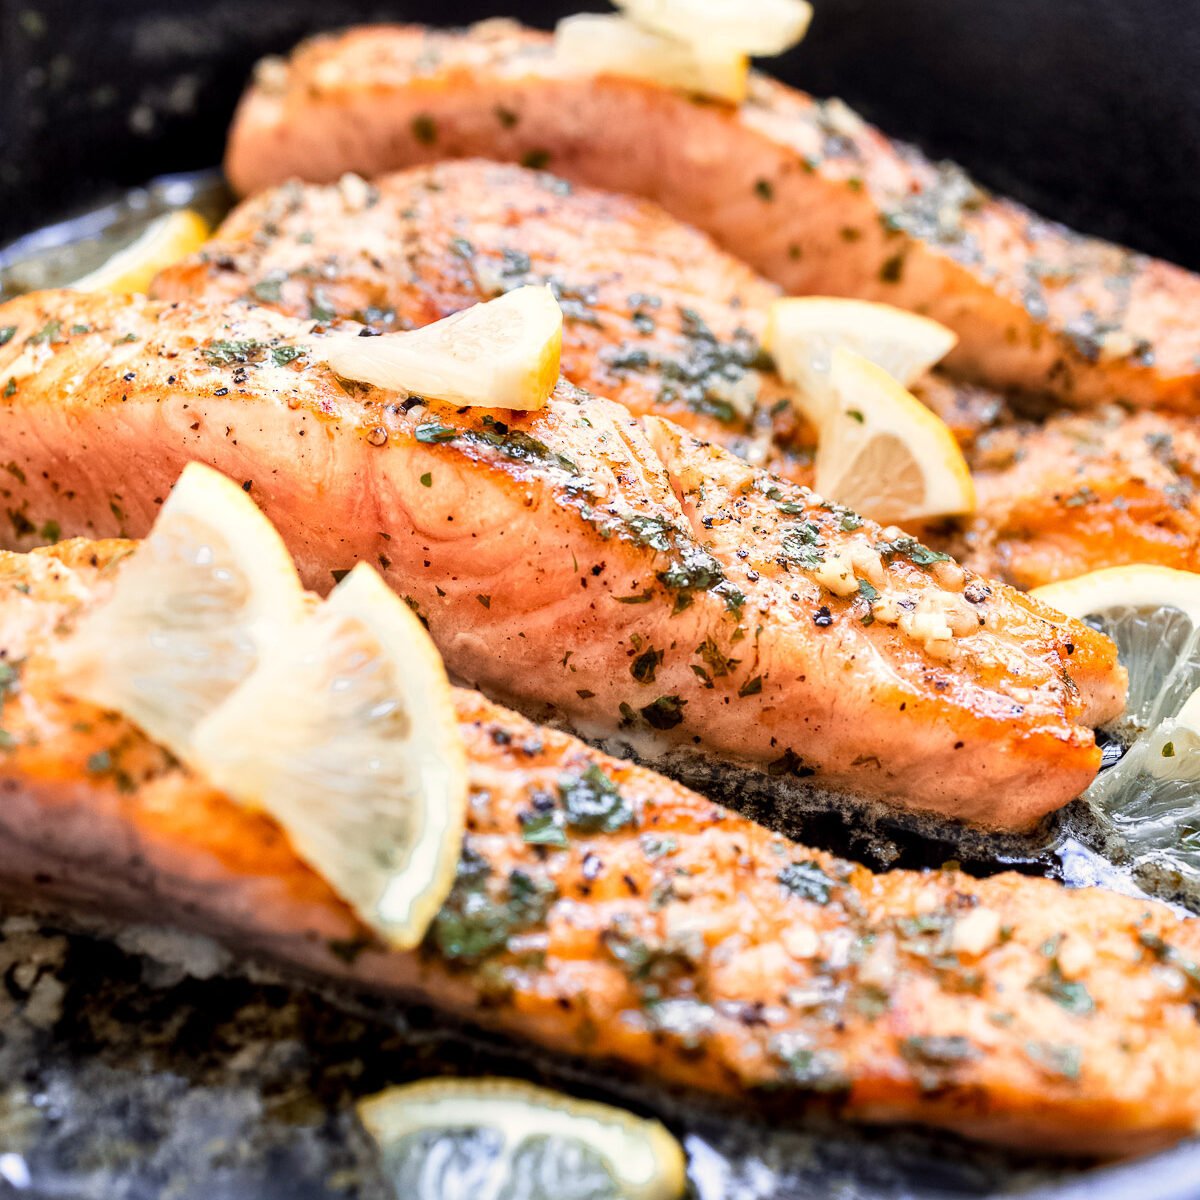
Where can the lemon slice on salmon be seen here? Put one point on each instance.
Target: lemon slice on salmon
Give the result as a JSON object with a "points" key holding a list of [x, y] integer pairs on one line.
{"points": [[192, 611], [881, 452], [437, 1135], [607, 44], [759, 27], [501, 354], [803, 331], [1150, 796], [347, 735], [164, 241]]}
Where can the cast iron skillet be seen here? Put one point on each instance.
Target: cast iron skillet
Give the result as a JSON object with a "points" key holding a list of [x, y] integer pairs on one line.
{"points": [[1090, 111]]}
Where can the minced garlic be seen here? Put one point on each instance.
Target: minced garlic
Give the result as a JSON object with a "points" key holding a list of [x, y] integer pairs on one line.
{"points": [[976, 932], [836, 574]]}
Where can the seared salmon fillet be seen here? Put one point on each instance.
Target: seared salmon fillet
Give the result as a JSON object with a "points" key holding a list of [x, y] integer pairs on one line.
{"points": [[1082, 491], [660, 319], [655, 316], [682, 944], [802, 190], [589, 565]]}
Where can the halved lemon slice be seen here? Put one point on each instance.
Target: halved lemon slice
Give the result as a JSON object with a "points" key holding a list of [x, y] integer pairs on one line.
{"points": [[346, 734], [762, 27], [164, 241], [607, 44], [1150, 796], [191, 614], [882, 453], [438, 1135], [803, 332], [1153, 614], [501, 354]]}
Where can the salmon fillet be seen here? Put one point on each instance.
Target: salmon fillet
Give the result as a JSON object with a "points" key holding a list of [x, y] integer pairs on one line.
{"points": [[1079, 492], [604, 570], [800, 189], [661, 320], [655, 316], [683, 944]]}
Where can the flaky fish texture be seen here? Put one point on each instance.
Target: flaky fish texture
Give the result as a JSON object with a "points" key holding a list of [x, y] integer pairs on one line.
{"points": [[654, 315], [583, 563], [660, 319], [802, 190], [654, 933]]}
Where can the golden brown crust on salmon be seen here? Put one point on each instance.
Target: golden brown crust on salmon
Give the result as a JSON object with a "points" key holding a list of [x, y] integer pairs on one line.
{"points": [[1082, 491], [655, 316], [611, 571], [801, 190], [681, 942], [661, 320]]}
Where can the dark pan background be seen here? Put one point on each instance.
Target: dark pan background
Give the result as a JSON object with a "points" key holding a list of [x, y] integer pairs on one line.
{"points": [[1089, 110]]}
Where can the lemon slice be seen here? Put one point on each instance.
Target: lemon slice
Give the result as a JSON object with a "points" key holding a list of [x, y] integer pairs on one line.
{"points": [[191, 613], [881, 452], [1153, 614], [1150, 798], [761, 27], [607, 44], [439, 1135], [346, 734], [501, 354], [803, 331], [1172, 748], [164, 241]]}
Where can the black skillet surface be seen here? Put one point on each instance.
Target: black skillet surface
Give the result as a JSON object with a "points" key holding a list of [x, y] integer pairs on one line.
{"points": [[122, 1078], [1087, 109]]}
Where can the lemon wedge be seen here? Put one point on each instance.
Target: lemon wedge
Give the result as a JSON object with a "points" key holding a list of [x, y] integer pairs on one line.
{"points": [[608, 44], [760, 27], [881, 452], [501, 354], [803, 331], [164, 241], [192, 611], [346, 734], [437, 1135], [1149, 798]]}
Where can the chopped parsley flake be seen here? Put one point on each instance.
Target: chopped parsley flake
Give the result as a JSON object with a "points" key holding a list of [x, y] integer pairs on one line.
{"points": [[1066, 993], [644, 667], [593, 803], [1063, 1060], [664, 713], [433, 433], [544, 829], [424, 129], [807, 880]]}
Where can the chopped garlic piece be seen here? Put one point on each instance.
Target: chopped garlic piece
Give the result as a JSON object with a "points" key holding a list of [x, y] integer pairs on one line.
{"points": [[887, 610], [949, 575], [801, 941], [926, 624], [1074, 957], [976, 932], [867, 563], [878, 969], [836, 574]]}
